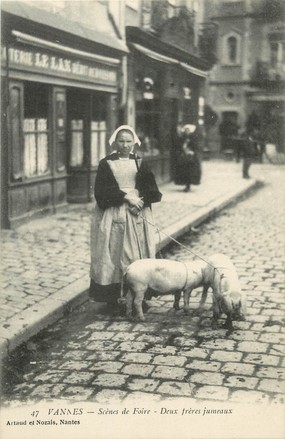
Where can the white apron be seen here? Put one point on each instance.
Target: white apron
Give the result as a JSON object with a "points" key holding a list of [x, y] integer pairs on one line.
{"points": [[118, 237]]}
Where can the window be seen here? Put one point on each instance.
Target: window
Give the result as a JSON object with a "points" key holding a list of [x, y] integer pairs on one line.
{"points": [[88, 127], [98, 141], [98, 129], [77, 104], [231, 49], [77, 151], [147, 125], [148, 82], [277, 53], [273, 54], [35, 129]]}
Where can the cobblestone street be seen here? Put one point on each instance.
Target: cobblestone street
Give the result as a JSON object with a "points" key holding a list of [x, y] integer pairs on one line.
{"points": [[105, 358]]}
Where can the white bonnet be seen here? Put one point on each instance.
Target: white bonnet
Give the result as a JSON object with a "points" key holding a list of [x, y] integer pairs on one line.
{"points": [[120, 128]]}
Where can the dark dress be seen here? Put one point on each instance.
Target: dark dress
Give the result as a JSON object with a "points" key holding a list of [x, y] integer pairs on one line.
{"points": [[249, 152], [188, 164]]}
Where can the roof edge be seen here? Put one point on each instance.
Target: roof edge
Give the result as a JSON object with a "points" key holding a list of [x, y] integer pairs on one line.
{"points": [[61, 24]]}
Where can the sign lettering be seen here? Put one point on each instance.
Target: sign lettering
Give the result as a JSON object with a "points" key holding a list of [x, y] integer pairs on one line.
{"points": [[53, 63]]}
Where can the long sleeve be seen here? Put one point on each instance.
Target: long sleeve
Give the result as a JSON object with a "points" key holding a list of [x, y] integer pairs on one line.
{"points": [[107, 192], [146, 185]]}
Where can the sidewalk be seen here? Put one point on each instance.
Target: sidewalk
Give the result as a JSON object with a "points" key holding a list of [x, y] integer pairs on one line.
{"points": [[45, 264]]}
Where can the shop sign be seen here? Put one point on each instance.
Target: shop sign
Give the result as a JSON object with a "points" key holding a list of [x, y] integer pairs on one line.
{"points": [[56, 65]]}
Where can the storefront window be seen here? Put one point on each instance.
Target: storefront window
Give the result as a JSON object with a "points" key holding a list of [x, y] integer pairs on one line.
{"points": [[36, 157], [77, 104], [98, 141], [77, 150], [88, 126], [147, 126], [98, 129]]}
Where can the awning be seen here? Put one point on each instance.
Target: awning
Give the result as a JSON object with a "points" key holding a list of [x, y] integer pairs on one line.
{"points": [[165, 59], [162, 50], [106, 35], [154, 55], [194, 70], [39, 42]]}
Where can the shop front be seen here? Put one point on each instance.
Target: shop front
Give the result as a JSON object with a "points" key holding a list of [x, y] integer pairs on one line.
{"points": [[269, 109], [60, 105], [164, 87]]}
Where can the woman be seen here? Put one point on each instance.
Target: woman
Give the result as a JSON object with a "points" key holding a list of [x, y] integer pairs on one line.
{"points": [[188, 168], [124, 191], [249, 151]]}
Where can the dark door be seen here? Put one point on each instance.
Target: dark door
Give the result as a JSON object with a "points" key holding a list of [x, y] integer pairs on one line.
{"points": [[78, 110]]}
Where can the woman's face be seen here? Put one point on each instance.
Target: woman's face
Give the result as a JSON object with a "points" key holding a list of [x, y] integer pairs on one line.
{"points": [[125, 143]]}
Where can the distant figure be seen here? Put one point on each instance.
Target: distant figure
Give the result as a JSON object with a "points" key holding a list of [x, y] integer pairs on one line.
{"points": [[259, 144], [228, 129], [238, 145], [188, 166], [248, 151], [253, 126], [253, 122]]}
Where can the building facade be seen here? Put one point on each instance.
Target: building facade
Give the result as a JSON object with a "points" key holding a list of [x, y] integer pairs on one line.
{"points": [[166, 76], [73, 71], [60, 82], [247, 83]]}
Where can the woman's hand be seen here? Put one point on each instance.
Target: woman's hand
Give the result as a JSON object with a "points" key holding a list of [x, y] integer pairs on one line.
{"points": [[134, 210], [134, 200]]}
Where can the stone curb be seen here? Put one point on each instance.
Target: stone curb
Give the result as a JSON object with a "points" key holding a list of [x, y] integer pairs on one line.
{"points": [[202, 214], [36, 318]]}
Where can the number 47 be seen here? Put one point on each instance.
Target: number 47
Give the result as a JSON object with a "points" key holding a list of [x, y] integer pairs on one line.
{"points": [[35, 413]]}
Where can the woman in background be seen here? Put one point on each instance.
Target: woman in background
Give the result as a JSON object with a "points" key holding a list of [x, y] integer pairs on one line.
{"points": [[124, 190], [188, 168]]}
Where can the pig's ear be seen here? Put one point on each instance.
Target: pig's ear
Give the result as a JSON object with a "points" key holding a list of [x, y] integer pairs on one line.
{"points": [[225, 299], [227, 302]]}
